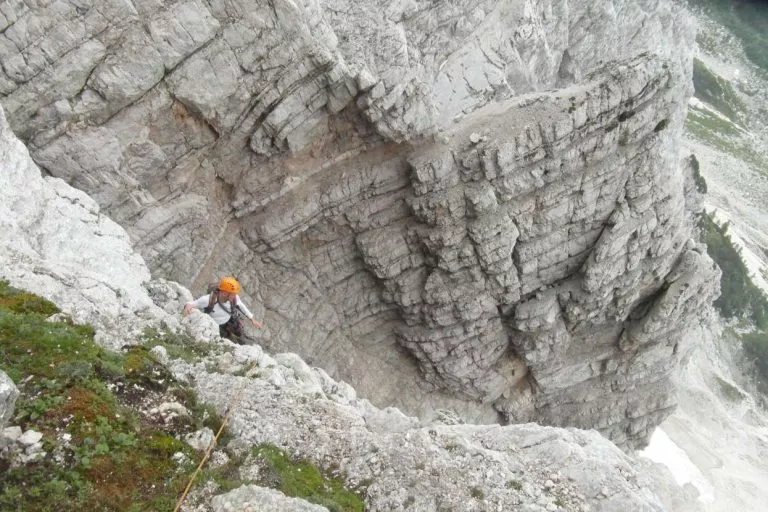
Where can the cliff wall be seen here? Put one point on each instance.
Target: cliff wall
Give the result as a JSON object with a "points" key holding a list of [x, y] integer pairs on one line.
{"points": [[474, 205], [56, 242]]}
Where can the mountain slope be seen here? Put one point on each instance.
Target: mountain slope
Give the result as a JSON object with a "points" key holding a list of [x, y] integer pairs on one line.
{"points": [[721, 424]]}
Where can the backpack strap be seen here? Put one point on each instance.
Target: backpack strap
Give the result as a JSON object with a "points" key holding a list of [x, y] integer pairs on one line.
{"points": [[211, 302], [235, 310], [215, 298]]}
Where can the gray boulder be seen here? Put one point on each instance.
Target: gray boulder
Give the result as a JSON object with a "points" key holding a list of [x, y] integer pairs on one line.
{"points": [[8, 395], [252, 498]]}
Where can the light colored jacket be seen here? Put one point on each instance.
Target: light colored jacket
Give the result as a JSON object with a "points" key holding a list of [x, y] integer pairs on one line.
{"points": [[220, 313]]}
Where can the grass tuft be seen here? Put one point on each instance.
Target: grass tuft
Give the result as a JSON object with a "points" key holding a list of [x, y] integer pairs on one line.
{"points": [[302, 479], [178, 345]]}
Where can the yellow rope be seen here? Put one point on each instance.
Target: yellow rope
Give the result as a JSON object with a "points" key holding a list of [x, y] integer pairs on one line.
{"points": [[231, 407]]}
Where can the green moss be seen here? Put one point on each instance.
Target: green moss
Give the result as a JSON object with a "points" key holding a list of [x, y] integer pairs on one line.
{"points": [[302, 479], [113, 460], [140, 367]]}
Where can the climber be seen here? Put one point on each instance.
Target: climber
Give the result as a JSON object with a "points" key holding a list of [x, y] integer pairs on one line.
{"points": [[223, 305]]}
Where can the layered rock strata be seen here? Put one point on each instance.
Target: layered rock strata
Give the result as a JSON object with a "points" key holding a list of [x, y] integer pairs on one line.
{"points": [[93, 274], [473, 205]]}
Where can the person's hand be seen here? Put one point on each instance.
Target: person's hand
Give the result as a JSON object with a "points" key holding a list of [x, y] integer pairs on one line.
{"points": [[187, 309], [256, 323]]}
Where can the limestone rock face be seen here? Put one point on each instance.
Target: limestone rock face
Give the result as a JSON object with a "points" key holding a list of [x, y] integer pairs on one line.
{"points": [[56, 241], [406, 463], [8, 395], [472, 205]]}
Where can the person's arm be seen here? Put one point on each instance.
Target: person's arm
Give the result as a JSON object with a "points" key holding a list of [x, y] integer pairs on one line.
{"points": [[247, 313], [200, 303]]}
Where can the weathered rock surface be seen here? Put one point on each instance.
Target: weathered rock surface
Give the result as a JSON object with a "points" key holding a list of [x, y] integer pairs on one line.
{"points": [[417, 467], [475, 206], [8, 395], [405, 462], [56, 241], [250, 498]]}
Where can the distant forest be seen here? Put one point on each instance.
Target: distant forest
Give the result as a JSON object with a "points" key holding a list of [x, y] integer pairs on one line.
{"points": [[740, 298]]}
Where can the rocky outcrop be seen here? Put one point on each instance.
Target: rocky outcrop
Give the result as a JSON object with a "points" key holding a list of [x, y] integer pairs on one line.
{"points": [[267, 500], [404, 462], [57, 242], [8, 395], [475, 205], [408, 466]]}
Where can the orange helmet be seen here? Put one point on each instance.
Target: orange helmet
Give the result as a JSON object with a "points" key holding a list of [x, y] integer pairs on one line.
{"points": [[229, 284]]}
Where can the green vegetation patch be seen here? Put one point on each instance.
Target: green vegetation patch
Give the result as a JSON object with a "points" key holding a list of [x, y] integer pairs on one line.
{"points": [[20, 301], [300, 478], [723, 135], [101, 452], [711, 122], [99, 455], [717, 92], [739, 296], [178, 345]]}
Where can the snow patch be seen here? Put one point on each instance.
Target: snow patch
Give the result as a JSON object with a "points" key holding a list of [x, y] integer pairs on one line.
{"points": [[663, 450]]}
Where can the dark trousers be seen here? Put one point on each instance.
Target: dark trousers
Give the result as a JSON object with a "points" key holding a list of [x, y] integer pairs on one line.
{"points": [[232, 329]]}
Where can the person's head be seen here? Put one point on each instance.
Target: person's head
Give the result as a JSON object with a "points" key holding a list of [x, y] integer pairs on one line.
{"points": [[229, 285]]}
